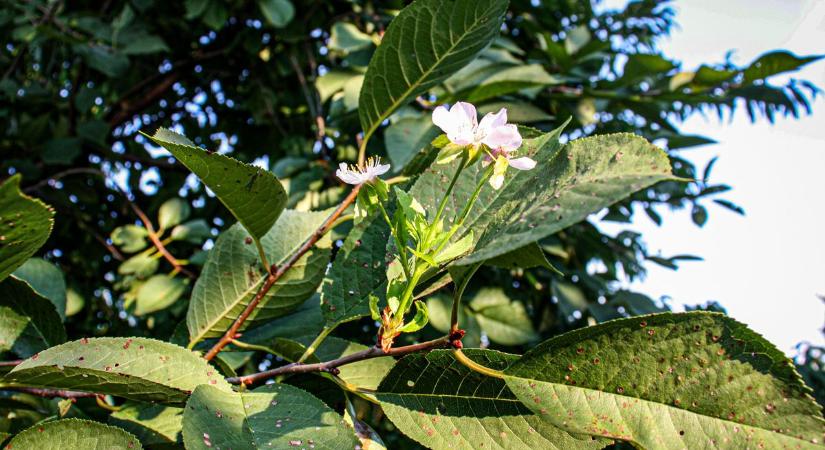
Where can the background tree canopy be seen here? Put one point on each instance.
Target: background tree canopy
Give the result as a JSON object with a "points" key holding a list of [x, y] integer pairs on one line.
{"points": [[277, 83]]}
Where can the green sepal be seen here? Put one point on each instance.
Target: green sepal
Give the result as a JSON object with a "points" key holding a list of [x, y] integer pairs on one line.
{"points": [[449, 153]]}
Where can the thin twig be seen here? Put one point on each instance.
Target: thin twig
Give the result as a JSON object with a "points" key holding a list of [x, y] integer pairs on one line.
{"points": [[51, 393], [10, 363], [153, 236], [277, 272], [332, 366]]}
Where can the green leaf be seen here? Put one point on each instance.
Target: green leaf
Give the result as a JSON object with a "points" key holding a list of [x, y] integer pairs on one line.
{"points": [[370, 440], [172, 212], [306, 320], [504, 321], [158, 293], [426, 43], [61, 150], [527, 257], [272, 416], [29, 322], [104, 59], [253, 195], [634, 304], [130, 238], [569, 297], [277, 12], [135, 368], [333, 82], [215, 15], [233, 274], [144, 44], [194, 231], [442, 404], [74, 434], [692, 380], [406, 137], [94, 131], [195, 8], [507, 81], [141, 265], [776, 62], [576, 39], [517, 112], [45, 279], [699, 215], [74, 302], [25, 224], [152, 424], [346, 37], [567, 184], [359, 269], [642, 65]]}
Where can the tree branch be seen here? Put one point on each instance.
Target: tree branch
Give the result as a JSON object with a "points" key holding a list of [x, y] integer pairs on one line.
{"points": [[153, 236], [275, 273], [51, 393], [452, 340]]}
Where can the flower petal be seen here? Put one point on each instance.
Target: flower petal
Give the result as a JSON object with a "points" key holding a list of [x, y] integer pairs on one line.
{"points": [[381, 169], [505, 137], [443, 119], [499, 169], [523, 163], [467, 111], [491, 121], [347, 175]]}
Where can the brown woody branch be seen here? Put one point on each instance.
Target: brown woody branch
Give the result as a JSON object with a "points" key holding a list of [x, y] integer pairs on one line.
{"points": [[51, 393], [452, 340], [275, 273]]}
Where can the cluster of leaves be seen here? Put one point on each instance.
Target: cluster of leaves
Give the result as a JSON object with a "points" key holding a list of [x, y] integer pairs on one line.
{"points": [[256, 82]]}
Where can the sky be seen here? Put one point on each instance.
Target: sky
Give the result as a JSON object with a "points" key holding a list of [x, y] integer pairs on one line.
{"points": [[767, 267]]}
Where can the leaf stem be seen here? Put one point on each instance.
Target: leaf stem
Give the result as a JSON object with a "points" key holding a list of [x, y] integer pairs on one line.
{"points": [[262, 255], [467, 208], [254, 347], [476, 367], [315, 344], [447, 193], [276, 273]]}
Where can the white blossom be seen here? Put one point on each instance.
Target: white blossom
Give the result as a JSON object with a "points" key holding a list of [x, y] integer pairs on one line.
{"points": [[461, 125], [359, 175]]}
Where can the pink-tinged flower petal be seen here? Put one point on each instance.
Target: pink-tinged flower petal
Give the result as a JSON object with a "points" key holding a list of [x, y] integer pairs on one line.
{"points": [[467, 111], [491, 121], [505, 137], [523, 163]]}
